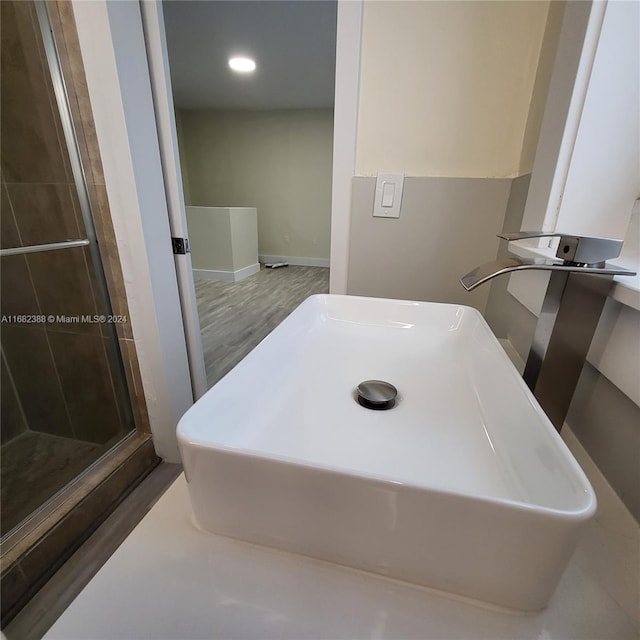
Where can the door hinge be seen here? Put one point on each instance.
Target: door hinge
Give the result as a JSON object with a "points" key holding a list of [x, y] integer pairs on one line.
{"points": [[180, 245]]}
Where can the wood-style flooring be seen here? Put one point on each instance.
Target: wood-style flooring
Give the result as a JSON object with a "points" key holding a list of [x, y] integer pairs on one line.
{"points": [[236, 316]]}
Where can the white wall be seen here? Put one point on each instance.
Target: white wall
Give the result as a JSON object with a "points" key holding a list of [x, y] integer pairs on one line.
{"points": [[587, 169], [210, 238], [277, 161], [603, 180], [541, 87], [223, 239], [347, 88], [450, 94], [446, 87], [186, 189]]}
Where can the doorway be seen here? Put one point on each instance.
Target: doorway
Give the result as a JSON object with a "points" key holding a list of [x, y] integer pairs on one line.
{"points": [[256, 156]]}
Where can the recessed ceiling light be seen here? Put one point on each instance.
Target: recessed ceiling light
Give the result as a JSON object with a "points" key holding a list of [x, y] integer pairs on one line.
{"points": [[242, 65]]}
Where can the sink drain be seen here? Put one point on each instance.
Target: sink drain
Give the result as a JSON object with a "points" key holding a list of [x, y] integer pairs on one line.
{"points": [[376, 394]]}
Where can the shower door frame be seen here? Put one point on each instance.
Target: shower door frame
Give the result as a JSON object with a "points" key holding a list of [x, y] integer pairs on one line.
{"points": [[91, 241], [112, 45], [80, 181], [35, 548]]}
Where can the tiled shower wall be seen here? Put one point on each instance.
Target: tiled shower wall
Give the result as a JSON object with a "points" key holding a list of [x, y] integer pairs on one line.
{"points": [[61, 377]]}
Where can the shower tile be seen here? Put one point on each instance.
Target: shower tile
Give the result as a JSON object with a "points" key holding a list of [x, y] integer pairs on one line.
{"points": [[36, 381], [63, 24], [44, 212], [35, 467], [11, 416], [64, 150], [31, 150], [77, 211], [101, 309], [134, 386], [110, 258], [83, 368], [63, 286], [17, 296], [9, 236], [13, 581], [118, 379], [96, 288]]}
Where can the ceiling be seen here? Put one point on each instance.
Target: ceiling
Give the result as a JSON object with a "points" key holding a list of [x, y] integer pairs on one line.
{"points": [[293, 43]]}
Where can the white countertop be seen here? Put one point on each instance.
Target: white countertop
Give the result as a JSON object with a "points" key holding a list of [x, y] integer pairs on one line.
{"points": [[171, 580]]}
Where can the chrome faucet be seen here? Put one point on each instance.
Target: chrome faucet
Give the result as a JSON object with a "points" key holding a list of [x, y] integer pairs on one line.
{"points": [[577, 290], [576, 254]]}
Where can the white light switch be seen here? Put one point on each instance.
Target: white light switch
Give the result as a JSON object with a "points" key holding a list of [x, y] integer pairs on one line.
{"points": [[388, 195], [388, 189]]}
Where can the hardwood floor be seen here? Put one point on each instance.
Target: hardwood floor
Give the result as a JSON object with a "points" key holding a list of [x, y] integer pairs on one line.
{"points": [[235, 317]]}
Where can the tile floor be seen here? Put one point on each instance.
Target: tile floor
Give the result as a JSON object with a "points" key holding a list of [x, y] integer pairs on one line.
{"points": [[34, 467]]}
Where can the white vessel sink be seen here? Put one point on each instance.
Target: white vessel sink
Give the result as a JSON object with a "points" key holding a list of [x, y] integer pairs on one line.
{"points": [[463, 486]]}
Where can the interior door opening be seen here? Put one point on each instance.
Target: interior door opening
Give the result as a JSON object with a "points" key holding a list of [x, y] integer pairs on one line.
{"points": [[256, 156]]}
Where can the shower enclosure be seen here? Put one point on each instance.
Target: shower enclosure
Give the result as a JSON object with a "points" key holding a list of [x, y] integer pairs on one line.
{"points": [[64, 401]]}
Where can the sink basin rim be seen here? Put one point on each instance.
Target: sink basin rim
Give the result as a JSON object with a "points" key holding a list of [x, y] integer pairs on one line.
{"points": [[370, 521], [579, 513]]}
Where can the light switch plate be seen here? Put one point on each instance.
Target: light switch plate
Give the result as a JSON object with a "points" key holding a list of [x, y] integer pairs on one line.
{"points": [[388, 198]]}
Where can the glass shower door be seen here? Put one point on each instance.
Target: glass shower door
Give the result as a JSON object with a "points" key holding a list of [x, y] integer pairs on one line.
{"points": [[64, 402]]}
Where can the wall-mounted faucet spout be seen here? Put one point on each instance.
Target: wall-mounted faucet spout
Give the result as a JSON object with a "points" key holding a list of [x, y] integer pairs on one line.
{"points": [[576, 254], [577, 290]]}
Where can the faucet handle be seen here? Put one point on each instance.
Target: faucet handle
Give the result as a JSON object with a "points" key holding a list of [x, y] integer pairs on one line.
{"points": [[574, 249]]}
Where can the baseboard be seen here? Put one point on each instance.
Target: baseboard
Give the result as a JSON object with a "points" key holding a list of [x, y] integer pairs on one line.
{"points": [[226, 276], [245, 272], [296, 260]]}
